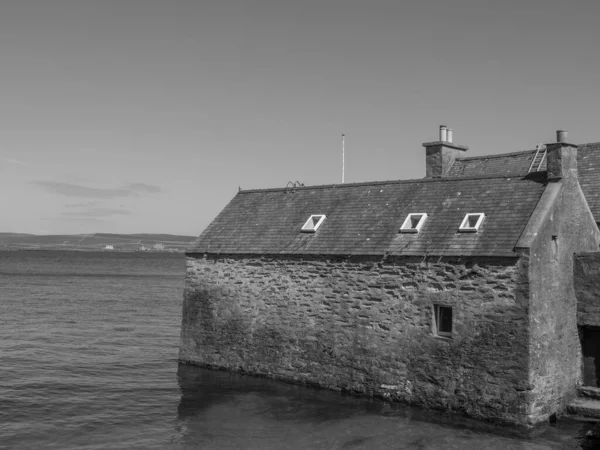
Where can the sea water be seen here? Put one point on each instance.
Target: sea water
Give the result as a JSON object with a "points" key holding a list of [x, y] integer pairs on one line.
{"points": [[88, 360]]}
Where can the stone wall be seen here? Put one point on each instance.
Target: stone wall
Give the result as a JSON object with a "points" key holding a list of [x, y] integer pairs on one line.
{"points": [[555, 349], [586, 270], [367, 327]]}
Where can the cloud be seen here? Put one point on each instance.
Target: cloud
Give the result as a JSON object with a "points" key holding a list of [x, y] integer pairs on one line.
{"points": [[76, 219], [83, 204], [15, 161], [76, 190], [145, 188], [97, 212], [80, 191]]}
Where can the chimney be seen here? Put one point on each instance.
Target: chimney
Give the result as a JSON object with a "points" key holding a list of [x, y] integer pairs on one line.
{"points": [[561, 157], [440, 155]]}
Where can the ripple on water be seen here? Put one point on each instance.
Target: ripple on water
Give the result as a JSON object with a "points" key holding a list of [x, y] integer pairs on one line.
{"points": [[89, 361]]}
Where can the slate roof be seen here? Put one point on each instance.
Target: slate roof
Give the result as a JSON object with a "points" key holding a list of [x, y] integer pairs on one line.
{"points": [[505, 164], [588, 168], [364, 218], [517, 164]]}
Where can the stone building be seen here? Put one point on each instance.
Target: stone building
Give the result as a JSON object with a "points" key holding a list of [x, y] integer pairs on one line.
{"points": [[455, 291]]}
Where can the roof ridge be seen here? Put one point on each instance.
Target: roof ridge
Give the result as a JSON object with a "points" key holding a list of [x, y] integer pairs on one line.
{"points": [[496, 155], [520, 152], [589, 144], [380, 183]]}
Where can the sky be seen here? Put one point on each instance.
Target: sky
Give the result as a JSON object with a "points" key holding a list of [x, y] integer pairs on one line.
{"points": [[144, 116]]}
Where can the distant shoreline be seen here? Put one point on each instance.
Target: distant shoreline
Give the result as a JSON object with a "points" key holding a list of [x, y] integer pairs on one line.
{"points": [[89, 250], [97, 242]]}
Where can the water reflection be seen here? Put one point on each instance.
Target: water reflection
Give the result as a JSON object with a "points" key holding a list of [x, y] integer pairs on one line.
{"points": [[227, 410]]}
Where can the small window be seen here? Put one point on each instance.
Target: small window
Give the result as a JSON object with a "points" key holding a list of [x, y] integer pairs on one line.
{"points": [[313, 223], [443, 320], [471, 222], [413, 223]]}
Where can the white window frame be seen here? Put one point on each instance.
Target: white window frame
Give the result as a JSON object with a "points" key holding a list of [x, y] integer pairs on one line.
{"points": [[464, 226], [406, 226], [436, 321], [310, 226]]}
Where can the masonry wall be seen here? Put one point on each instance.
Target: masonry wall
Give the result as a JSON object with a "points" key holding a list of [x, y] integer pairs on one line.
{"points": [[586, 271], [555, 362], [366, 327]]}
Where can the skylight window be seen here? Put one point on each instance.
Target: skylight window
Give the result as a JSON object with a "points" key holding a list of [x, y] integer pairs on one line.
{"points": [[313, 223], [413, 223], [471, 222]]}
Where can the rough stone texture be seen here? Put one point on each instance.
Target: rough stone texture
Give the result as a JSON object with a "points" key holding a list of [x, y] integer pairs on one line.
{"points": [[439, 157], [366, 326], [587, 287], [555, 349], [589, 392], [584, 407], [561, 160]]}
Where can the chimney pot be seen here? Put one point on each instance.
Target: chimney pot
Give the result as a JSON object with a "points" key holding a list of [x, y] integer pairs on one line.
{"points": [[443, 133], [449, 134], [562, 136]]}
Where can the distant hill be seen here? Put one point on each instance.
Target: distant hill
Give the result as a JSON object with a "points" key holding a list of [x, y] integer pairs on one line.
{"points": [[95, 242]]}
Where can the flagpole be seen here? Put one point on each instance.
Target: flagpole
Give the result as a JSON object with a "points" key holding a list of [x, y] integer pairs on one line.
{"points": [[343, 135]]}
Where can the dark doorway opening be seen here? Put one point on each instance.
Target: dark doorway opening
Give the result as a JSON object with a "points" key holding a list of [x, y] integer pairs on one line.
{"points": [[590, 343]]}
